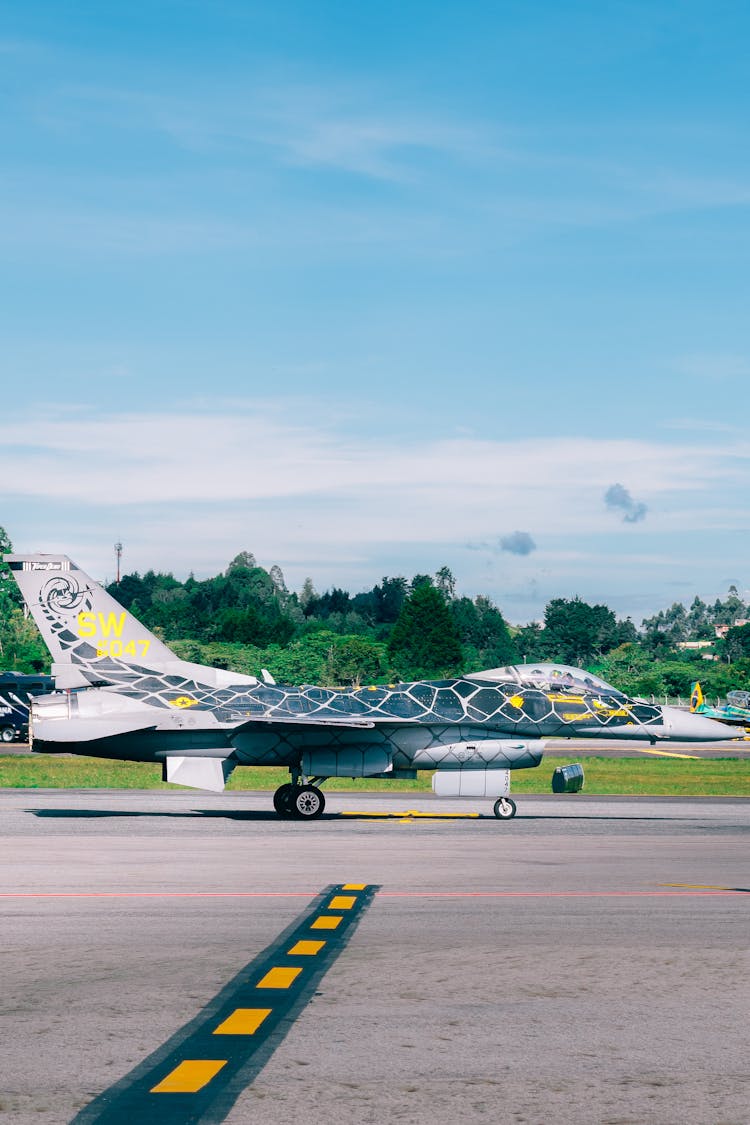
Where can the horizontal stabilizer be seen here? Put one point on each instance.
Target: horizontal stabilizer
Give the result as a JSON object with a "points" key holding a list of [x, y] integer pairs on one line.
{"points": [[88, 729], [198, 773]]}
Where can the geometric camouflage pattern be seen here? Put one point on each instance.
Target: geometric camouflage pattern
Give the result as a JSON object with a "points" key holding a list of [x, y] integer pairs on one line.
{"points": [[416, 723]]}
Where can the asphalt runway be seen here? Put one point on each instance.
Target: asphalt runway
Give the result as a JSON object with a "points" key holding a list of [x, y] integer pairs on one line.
{"points": [[586, 962]]}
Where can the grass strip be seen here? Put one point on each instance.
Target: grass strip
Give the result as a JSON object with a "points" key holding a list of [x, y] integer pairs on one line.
{"points": [[705, 777]]}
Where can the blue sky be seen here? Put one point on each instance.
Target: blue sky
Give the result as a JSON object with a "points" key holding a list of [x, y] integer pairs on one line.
{"points": [[369, 289]]}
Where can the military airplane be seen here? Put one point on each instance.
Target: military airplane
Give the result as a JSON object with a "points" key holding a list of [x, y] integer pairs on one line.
{"points": [[125, 695], [737, 709]]}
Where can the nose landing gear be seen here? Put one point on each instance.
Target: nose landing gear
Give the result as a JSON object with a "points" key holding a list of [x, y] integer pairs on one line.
{"points": [[505, 808]]}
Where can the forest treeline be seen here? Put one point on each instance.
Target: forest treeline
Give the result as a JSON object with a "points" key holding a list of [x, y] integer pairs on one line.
{"points": [[246, 618]]}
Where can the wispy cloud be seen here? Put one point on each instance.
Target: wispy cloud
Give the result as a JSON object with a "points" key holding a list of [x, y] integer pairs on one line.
{"points": [[618, 499], [348, 128], [519, 543], [354, 488]]}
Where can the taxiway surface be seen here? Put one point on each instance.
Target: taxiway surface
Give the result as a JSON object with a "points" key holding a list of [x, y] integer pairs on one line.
{"points": [[585, 962]]}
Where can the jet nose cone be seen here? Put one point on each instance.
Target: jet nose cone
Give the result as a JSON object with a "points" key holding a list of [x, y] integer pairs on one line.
{"points": [[686, 727]]}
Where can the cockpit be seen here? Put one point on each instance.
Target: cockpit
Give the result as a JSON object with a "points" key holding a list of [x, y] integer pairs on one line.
{"points": [[560, 677]]}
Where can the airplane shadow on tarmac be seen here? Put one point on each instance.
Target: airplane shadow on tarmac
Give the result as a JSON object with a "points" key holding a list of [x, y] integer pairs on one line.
{"points": [[262, 814]]}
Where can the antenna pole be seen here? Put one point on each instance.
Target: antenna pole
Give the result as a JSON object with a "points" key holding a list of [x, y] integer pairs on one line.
{"points": [[118, 556]]}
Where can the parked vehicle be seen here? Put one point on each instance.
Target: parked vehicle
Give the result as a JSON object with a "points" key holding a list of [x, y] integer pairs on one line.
{"points": [[16, 691]]}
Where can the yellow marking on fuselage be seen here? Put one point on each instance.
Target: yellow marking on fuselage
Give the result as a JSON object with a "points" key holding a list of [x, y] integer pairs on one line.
{"points": [[327, 922], [279, 978], [189, 1077], [306, 948], [516, 700], [554, 698], [342, 902], [605, 709], [183, 701], [243, 1021]]}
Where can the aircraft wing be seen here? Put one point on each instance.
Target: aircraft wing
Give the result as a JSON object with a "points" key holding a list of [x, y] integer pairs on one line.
{"points": [[267, 722]]}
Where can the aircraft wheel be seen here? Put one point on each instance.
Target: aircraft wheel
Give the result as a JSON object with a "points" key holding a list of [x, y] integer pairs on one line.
{"points": [[505, 809], [7, 734], [308, 802], [282, 799]]}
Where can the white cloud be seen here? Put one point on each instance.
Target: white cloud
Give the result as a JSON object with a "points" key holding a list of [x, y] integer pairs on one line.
{"points": [[344, 489]]}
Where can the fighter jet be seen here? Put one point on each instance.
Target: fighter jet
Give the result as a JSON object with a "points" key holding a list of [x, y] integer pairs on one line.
{"points": [[125, 695], [736, 711]]}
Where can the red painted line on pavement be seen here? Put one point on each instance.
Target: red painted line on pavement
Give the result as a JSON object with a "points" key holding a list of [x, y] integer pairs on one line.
{"points": [[555, 894], [383, 894], [157, 894]]}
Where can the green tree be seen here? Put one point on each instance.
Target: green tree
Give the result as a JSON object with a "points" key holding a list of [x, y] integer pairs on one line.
{"points": [[21, 646], [576, 631], [737, 643], [10, 595], [245, 560], [665, 630], [424, 643], [354, 660], [446, 583], [389, 598], [307, 594], [484, 636], [727, 612]]}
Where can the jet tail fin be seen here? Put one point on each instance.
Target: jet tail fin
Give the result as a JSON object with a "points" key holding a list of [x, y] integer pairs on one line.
{"points": [[91, 637], [697, 700]]}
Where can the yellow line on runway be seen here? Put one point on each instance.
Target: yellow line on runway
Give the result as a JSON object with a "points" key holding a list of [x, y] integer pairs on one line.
{"points": [[327, 922], [190, 1076], [666, 754], [243, 1021], [306, 948], [279, 978], [413, 814], [342, 902], [698, 886]]}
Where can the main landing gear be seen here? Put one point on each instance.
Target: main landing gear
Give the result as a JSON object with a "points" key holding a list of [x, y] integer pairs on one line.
{"points": [[302, 801]]}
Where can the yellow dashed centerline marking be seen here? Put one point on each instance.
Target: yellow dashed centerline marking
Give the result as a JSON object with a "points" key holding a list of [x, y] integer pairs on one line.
{"points": [[327, 922], [342, 902], [306, 948], [251, 1020], [279, 978], [190, 1076], [243, 1021]]}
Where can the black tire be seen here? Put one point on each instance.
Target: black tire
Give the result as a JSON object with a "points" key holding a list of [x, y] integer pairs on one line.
{"points": [[308, 802], [282, 799], [505, 809], [7, 734]]}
